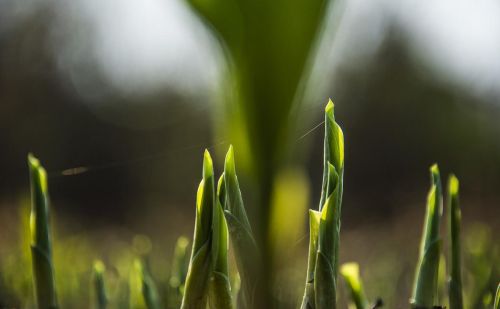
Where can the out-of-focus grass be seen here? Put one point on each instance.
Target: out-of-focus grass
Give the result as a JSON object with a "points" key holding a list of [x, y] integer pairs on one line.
{"points": [[386, 253]]}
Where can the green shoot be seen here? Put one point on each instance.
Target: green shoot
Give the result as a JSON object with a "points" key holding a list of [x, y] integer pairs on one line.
{"points": [[144, 293], [426, 285], [308, 300], [454, 217], [101, 299], [497, 298], [200, 265], [245, 248], [350, 272], [333, 171], [325, 279], [180, 264], [219, 288], [41, 249]]}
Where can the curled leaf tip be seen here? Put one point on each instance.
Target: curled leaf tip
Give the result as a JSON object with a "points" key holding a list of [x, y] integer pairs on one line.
{"points": [[434, 172], [33, 161]]}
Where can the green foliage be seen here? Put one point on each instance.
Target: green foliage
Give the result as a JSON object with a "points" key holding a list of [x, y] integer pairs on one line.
{"points": [[143, 291], [454, 217], [323, 252], [205, 282], [195, 289], [426, 285], [208, 277], [245, 248], [178, 271], [41, 248], [101, 298], [350, 272], [496, 305]]}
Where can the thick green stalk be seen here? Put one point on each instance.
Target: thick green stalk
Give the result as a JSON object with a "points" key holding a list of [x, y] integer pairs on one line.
{"points": [[425, 286], [247, 254], [41, 249], [200, 265], [454, 217], [350, 272], [333, 155], [101, 299], [325, 277]]}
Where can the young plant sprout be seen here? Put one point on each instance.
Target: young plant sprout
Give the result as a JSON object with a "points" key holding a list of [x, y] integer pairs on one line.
{"points": [[143, 294], [202, 280], [208, 278], [245, 248], [426, 276], [101, 299], [321, 282], [41, 248], [350, 272], [454, 217]]}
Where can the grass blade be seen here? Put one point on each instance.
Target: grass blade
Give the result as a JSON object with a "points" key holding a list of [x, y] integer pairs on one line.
{"points": [[350, 272], [425, 286], [496, 305], [245, 248], [200, 265], [41, 248], [101, 299], [180, 265], [454, 217], [144, 293]]}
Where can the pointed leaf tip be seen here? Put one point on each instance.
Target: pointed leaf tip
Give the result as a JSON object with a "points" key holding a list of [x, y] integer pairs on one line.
{"points": [[229, 165], [208, 169], [329, 106]]}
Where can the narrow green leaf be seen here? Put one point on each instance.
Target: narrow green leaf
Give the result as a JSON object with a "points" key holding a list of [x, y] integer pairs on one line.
{"points": [[350, 272], [101, 299], [41, 248], [308, 299], [219, 285], [454, 217], [201, 264], [180, 264], [245, 248], [497, 298], [144, 294], [426, 276]]}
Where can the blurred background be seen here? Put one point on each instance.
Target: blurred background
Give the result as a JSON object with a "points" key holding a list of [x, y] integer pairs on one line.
{"points": [[118, 99]]}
